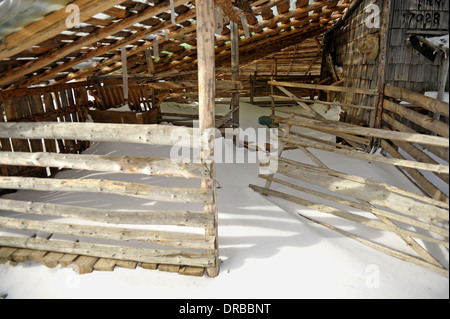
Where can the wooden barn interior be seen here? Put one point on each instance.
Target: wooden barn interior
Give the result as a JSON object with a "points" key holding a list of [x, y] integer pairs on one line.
{"points": [[85, 71]]}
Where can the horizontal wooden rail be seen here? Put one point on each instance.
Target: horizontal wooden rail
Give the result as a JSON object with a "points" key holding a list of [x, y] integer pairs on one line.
{"points": [[364, 207], [403, 256], [426, 122], [118, 164], [166, 194], [363, 191], [396, 125], [134, 217], [127, 133], [325, 87], [172, 239], [366, 131], [393, 161], [426, 102], [349, 216], [159, 256], [323, 102]]}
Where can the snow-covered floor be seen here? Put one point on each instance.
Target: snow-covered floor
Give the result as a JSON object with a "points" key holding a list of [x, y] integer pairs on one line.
{"points": [[266, 249]]}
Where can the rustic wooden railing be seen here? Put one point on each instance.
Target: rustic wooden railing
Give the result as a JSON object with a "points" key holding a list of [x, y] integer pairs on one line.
{"points": [[52, 104], [181, 247], [420, 220], [421, 114]]}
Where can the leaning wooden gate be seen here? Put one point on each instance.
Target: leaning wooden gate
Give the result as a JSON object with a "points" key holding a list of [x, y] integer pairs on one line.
{"points": [[126, 241]]}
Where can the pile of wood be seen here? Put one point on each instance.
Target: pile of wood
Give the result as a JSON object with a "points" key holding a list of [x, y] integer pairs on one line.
{"points": [[420, 220]]}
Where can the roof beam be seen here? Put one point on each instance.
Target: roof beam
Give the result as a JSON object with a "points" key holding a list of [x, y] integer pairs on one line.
{"points": [[50, 26], [19, 72], [104, 49]]}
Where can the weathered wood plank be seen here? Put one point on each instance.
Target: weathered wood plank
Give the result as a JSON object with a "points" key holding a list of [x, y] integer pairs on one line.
{"points": [[367, 192], [178, 218], [206, 100], [118, 164], [127, 133], [349, 216], [324, 87], [393, 161], [364, 207], [172, 239], [121, 253], [428, 103], [51, 25], [365, 131], [168, 194], [84, 264], [104, 264], [427, 122]]}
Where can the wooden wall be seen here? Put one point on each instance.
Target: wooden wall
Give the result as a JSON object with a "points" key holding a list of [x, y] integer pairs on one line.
{"points": [[406, 68]]}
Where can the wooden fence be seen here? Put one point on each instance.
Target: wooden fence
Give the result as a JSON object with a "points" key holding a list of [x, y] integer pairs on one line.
{"points": [[62, 104], [186, 250], [420, 220], [421, 114]]}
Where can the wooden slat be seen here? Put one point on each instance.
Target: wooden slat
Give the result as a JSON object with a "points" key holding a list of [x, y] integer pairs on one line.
{"points": [[394, 161], [172, 239], [427, 122], [363, 191], [428, 103], [346, 215], [50, 26], [364, 207], [123, 164], [175, 257], [324, 87], [365, 131], [169, 194], [179, 218], [127, 133], [55, 55]]}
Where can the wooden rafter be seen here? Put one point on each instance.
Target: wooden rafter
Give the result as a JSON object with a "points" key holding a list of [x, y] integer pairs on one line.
{"points": [[50, 26], [56, 56]]}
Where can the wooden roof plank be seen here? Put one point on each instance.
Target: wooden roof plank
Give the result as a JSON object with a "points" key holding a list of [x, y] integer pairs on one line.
{"points": [[50, 26]]}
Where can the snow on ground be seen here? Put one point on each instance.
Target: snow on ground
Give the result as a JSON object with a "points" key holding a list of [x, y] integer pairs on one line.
{"points": [[266, 249]]}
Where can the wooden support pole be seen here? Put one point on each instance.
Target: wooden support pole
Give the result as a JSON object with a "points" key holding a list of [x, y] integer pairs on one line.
{"points": [[235, 69], [382, 62], [206, 99]]}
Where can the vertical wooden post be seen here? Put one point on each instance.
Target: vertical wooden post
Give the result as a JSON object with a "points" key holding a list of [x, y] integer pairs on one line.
{"points": [[382, 61], [124, 72], [443, 74], [273, 78], [206, 99], [235, 69]]}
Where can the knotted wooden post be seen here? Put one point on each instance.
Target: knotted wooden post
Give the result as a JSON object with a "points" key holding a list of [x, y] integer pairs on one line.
{"points": [[206, 100]]}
